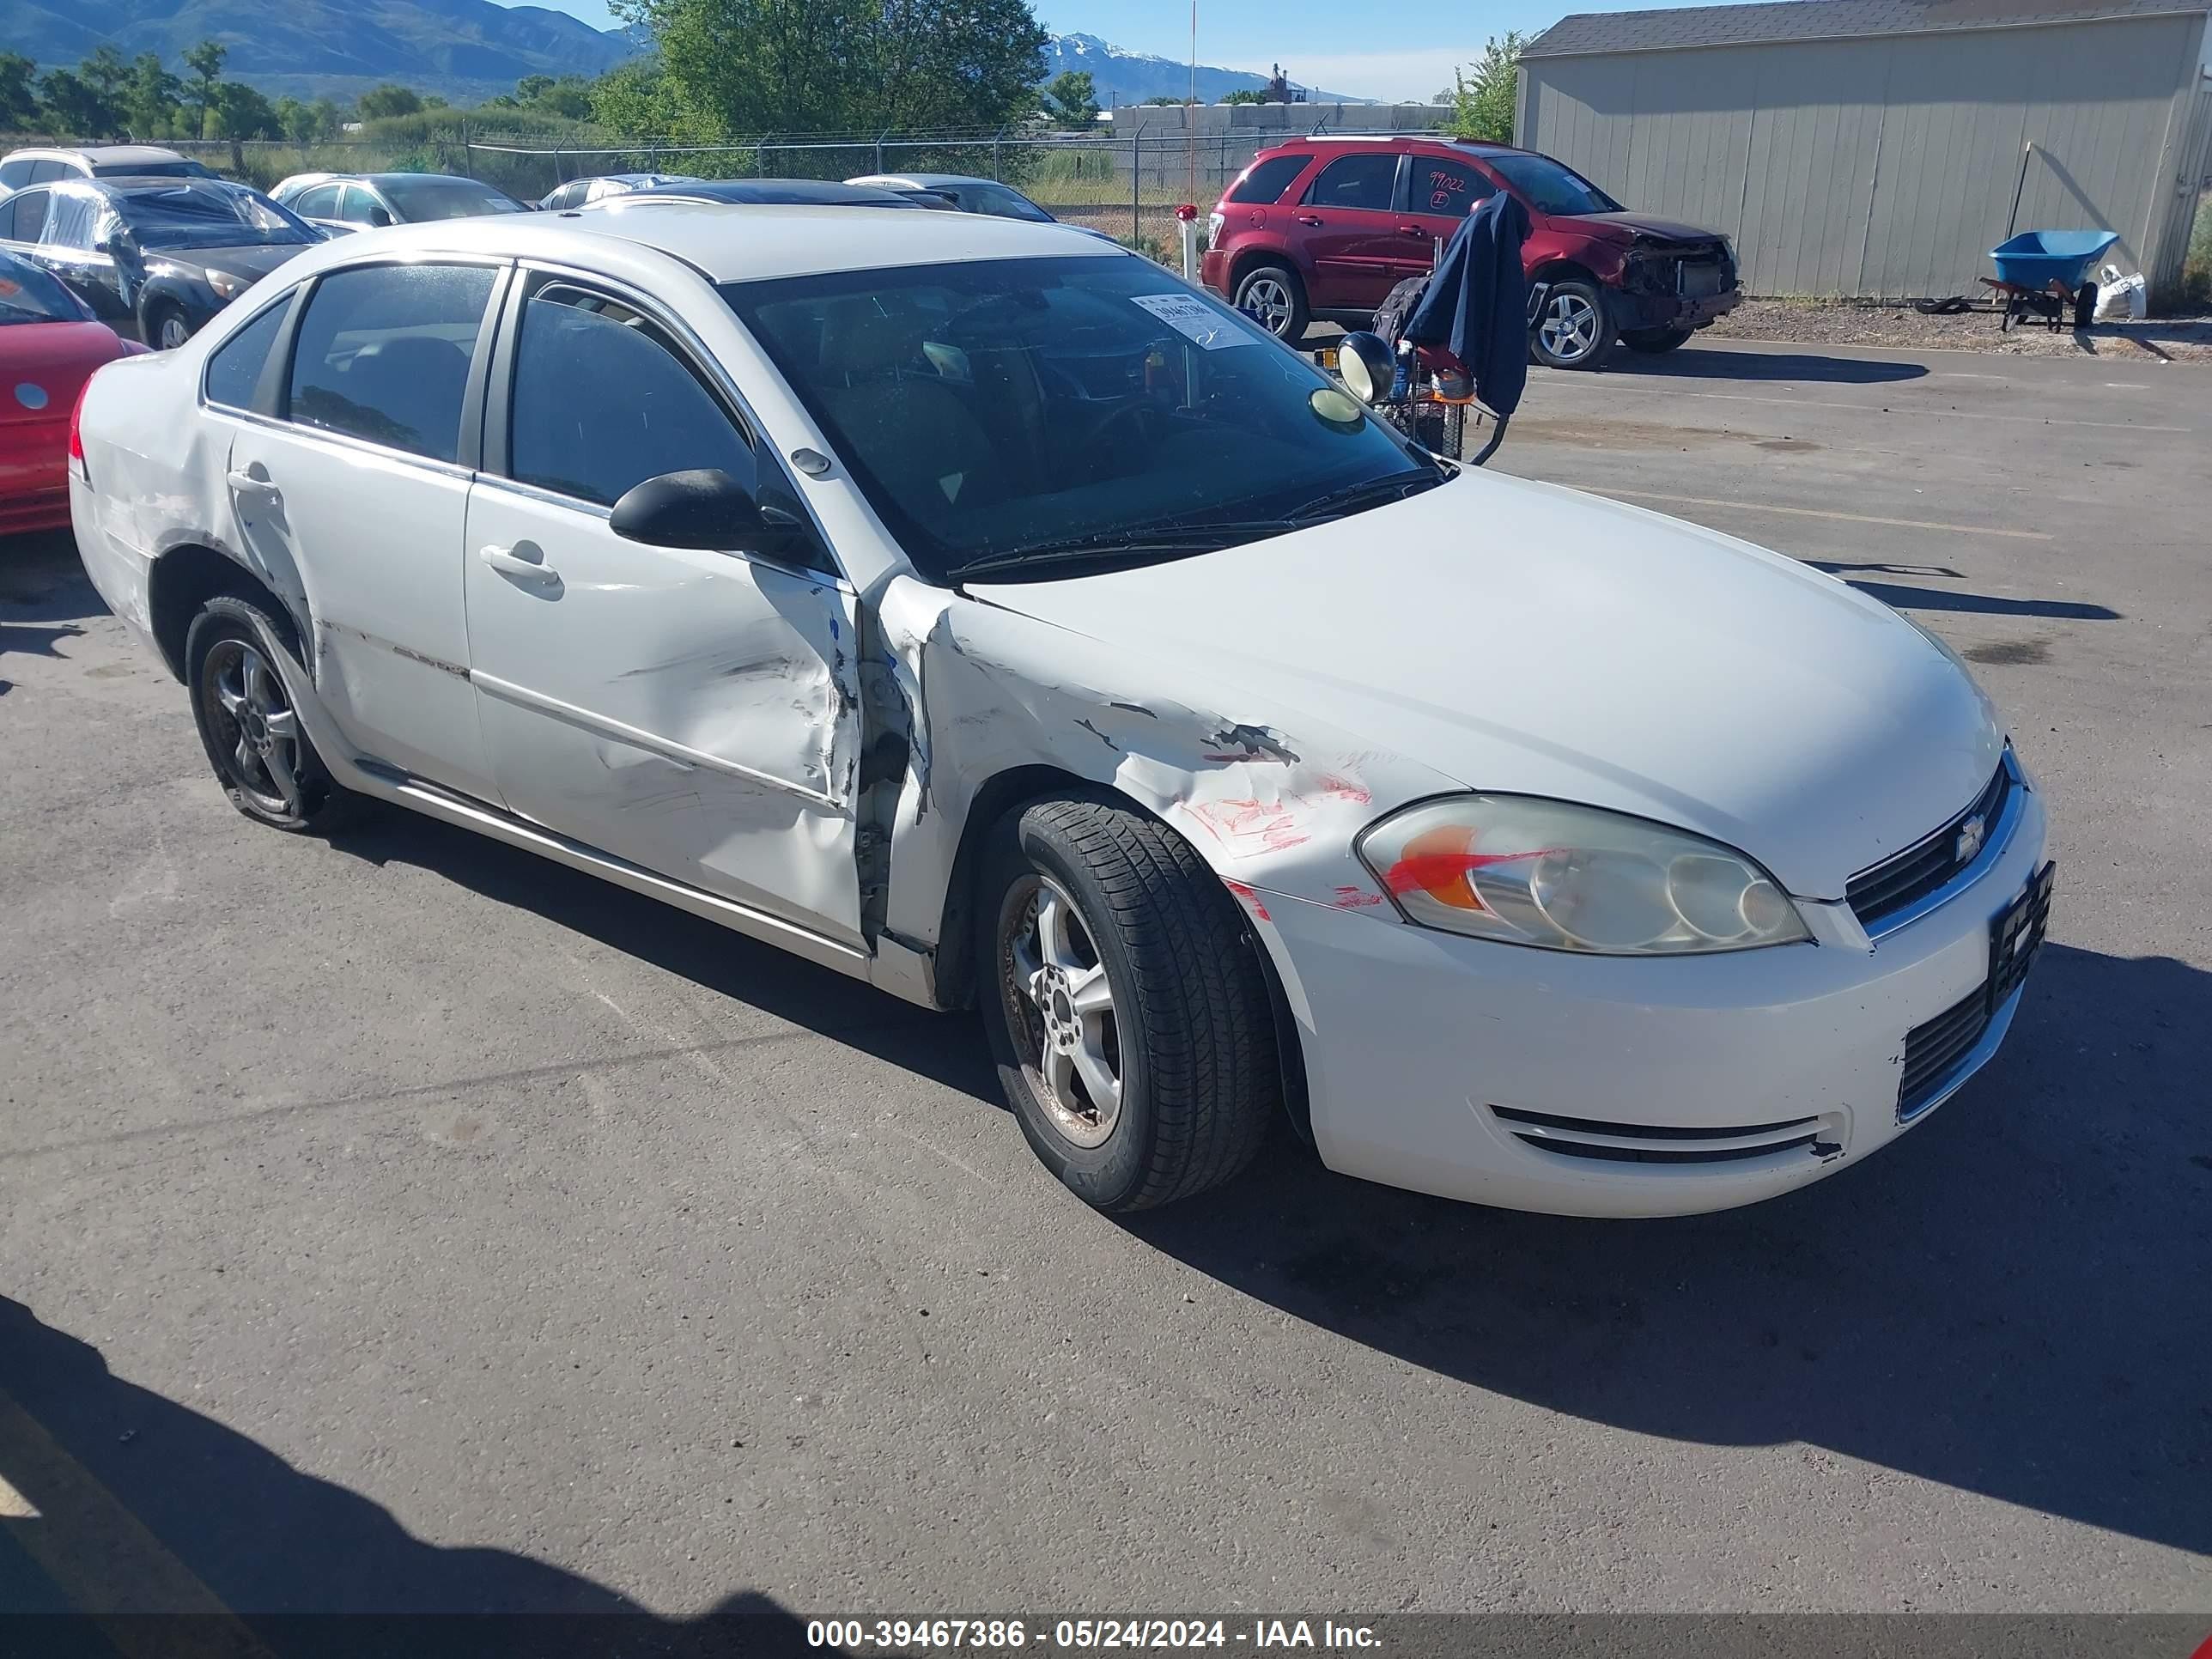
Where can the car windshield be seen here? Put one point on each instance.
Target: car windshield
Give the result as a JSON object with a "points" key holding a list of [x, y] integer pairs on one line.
{"points": [[1001, 203], [28, 295], [1550, 187], [432, 198], [204, 216], [1004, 411]]}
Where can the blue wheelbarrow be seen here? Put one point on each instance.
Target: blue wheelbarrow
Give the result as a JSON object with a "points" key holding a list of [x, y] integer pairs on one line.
{"points": [[2041, 273]]}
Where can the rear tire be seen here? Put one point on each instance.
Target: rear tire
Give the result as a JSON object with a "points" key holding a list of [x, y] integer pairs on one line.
{"points": [[166, 327], [1127, 1007], [1655, 340], [249, 725], [1273, 296], [1574, 329]]}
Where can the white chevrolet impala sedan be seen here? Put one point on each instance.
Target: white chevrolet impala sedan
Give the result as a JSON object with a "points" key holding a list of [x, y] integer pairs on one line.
{"points": [[973, 608]]}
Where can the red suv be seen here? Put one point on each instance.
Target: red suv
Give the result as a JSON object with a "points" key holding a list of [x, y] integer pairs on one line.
{"points": [[1325, 228]]}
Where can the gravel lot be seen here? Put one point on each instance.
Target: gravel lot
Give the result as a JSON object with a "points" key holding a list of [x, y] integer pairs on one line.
{"points": [[406, 1222]]}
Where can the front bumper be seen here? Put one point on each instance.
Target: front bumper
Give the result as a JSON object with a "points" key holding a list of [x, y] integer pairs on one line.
{"points": [[1668, 310], [1536, 1079]]}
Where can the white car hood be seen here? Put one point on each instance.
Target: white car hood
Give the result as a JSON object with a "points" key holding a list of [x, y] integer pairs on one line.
{"points": [[1522, 638]]}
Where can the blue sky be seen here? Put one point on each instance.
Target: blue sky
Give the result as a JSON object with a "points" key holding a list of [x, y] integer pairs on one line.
{"points": [[1320, 42]]}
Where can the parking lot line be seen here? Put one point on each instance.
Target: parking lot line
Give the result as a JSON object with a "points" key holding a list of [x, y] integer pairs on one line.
{"points": [[104, 1559], [1823, 513]]}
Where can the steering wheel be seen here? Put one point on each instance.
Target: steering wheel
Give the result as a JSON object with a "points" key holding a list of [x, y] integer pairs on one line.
{"points": [[1129, 408]]}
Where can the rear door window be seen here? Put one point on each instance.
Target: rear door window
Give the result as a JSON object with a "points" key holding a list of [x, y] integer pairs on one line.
{"points": [[44, 172], [1369, 180], [1268, 180], [234, 370], [383, 354]]}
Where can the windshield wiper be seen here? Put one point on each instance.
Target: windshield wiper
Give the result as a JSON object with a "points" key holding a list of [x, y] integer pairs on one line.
{"points": [[1368, 492], [1114, 545]]}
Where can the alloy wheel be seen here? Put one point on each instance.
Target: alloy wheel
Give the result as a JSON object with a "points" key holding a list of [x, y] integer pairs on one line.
{"points": [[1266, 301], [174, 332], [1061, 1007], [1570, 328], [259, 732]]}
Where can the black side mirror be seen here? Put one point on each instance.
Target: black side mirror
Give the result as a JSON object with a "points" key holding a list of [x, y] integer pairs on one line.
{"points": [[703, 508], [378, 218]]}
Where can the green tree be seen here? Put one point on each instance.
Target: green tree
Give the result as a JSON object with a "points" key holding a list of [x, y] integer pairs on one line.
{"points": [[205, 62], [379, 102], [1162, 103], [242, 112], [1484, 95], [149, 97], [735, 66], [1071, 98], [1246, 95], [304, 124], [18, 99], [74, 106]]}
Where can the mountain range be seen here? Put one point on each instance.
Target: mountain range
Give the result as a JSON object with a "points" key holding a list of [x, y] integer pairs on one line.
{"points": [[463, 49], [1130, 77]]}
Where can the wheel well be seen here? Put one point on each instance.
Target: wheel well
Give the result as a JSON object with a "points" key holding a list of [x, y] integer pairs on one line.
{"points": [[1565, 270], [955, 963], [1243, 263], [185, 578]]}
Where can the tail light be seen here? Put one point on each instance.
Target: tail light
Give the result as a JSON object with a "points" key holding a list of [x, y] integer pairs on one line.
{"points": [[76, 432]]}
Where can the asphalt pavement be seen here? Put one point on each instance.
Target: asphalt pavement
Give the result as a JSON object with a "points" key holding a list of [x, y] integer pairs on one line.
{"points": [[402, 1222]]}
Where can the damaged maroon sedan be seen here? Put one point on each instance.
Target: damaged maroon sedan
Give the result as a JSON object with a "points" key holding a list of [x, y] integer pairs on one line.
{"points": [[1324, 228]]}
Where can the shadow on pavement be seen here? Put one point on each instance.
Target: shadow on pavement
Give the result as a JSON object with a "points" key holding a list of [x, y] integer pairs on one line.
{"points": [[947, 1049], [1719, 363], [145, 1504], [2009, 1300], [1989, 605]]}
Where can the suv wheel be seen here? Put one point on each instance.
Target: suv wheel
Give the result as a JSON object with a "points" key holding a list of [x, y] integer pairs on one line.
{"points": [[167, 326], [1274, 297], [1124, 1003], [1655, 339], [1572, 330]]}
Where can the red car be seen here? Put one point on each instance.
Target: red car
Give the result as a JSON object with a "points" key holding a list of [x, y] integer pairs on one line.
{"points": [[50, 343], [1325, 228]]}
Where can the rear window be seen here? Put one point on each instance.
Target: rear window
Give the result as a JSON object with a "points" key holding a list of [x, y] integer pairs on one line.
{"points": [[153, 170], [383, 354], [1356, 181], [209, 213], [1266, 181], [29, 295]]}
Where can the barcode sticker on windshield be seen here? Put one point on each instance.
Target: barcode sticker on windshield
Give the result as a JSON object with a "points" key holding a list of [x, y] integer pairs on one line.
{"points": [[1193, 319]]}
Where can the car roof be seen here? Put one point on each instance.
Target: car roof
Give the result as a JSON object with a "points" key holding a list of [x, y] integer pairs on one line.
{"points": [[1330, 140], [101, 156], [922, 180], [792, 192], [131, 185], [732, 242]]}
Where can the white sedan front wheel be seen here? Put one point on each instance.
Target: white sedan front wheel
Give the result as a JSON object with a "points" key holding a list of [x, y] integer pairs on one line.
{"points": [[1126, 1003]]}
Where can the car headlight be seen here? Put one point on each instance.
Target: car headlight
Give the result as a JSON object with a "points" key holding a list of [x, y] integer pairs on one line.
{"points": [[226, 286], [1545, 872]]}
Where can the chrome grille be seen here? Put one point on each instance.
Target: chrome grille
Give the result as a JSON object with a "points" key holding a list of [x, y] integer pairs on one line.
{"points": [[1908, 877]]}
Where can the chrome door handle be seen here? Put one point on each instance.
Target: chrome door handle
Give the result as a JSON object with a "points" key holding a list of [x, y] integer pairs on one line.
{"points": [[509, 563], [246, 485]]}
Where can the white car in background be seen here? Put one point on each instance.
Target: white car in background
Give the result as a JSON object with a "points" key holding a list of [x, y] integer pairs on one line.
{"points": [[977, 609]]}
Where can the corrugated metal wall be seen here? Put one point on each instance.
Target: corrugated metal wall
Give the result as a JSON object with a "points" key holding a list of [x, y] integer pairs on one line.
{"points": [[1884, 167]]}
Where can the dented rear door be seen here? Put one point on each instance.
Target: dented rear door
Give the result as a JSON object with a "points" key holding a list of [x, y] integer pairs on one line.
{"points": [[693, 712]]}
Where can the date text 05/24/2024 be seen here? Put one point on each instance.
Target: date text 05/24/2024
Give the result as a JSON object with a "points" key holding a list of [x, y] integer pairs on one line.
{"points": [[1085, 1634]]}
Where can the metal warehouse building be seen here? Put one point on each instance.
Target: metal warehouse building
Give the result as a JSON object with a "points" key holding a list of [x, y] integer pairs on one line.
{"points": [[1876, 148]]}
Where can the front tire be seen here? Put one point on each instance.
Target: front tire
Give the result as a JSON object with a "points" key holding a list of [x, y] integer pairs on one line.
{"points": [[1656, 340], [249, 727], [1126, 1009], [1574, 329], [1273, 296]]}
